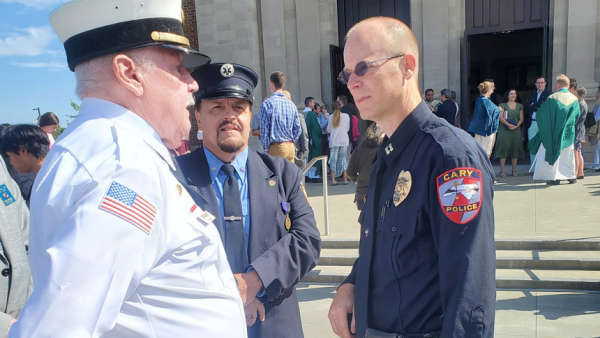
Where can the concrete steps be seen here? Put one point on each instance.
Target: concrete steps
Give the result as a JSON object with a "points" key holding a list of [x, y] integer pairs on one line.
{"points": [[522, 264]]}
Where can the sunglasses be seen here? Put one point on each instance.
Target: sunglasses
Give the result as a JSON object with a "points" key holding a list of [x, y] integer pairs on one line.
{"points": [[361, 68]]}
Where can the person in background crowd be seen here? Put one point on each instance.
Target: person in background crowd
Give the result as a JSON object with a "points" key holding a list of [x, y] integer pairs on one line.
{"points": [[486, 117], [423, 270], [256, 120], [14, 233], [355, 131], [534, 102], [265, 221], [431, 103], [314, 140], [25, 182], [448, 109], [594, 132], [509, 135], [345, 109], [361, 162], [573, 86], [457, 118], [324, 122], [184, 146], [580, 133], [301, 144], [49, 123], [553, 144], [279, 122], [27, 146], [338, 127], [118, 248]]}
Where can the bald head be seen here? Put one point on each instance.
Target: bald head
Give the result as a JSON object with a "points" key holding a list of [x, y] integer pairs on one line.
{"points": [[387, 36], [381, 68]]}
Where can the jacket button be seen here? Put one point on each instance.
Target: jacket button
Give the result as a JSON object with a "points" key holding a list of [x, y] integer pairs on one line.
{"points": [[367, 233], [5, 272], [393, 228]]}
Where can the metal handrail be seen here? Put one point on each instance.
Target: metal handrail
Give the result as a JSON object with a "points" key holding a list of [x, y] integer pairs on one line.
{"points": [[323, 160]]}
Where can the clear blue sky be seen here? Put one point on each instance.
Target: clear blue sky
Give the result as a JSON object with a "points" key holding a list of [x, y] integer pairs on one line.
{"points": [[33, 65]]}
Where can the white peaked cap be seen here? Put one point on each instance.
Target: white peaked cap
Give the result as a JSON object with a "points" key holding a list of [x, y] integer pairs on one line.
{"points": [[93, 28]]}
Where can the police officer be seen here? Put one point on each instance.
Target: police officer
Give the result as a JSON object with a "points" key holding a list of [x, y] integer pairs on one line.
{"points": [[267, 225], [118, 248], [426, 265]]}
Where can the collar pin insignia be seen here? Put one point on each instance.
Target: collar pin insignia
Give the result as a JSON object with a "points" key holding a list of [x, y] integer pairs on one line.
{"points": [[389, 149]]}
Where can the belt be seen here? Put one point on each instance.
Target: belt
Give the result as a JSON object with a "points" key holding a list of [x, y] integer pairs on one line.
{"points": [[372, 333], [281, 142]]}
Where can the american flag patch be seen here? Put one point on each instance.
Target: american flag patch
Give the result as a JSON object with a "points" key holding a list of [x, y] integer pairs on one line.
{"points": [[128, 205]]}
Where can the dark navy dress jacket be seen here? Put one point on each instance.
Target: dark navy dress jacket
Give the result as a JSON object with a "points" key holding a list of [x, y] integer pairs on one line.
{"points": [[427, 264], [280, 257]]}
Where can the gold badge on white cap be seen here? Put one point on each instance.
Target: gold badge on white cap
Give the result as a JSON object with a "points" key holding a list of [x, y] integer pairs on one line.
{"points": [[227, 70]]}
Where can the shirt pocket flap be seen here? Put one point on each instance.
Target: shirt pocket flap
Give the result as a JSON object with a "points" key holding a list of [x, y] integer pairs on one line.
{"points": [[399, 221]]}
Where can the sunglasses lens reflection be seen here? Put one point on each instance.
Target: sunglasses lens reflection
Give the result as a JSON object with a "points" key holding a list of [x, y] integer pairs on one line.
{"points": [[361, 68]]}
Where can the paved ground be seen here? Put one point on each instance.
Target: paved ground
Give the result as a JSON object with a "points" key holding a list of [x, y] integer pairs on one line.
{"points": [[524, 209]]}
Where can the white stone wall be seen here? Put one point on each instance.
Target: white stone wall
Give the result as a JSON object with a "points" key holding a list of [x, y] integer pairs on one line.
{"points": [[575, 31], [439, 28]]}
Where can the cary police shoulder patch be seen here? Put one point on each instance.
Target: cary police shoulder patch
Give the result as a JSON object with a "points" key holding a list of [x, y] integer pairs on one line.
{"points": [[459, 192], [6, 196]]}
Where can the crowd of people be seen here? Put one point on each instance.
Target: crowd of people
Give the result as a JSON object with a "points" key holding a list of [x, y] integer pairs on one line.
{"points": [[302, 136], [554, 124]]}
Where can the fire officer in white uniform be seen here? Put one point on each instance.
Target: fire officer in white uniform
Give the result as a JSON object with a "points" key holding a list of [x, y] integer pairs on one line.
{"points": [[117, 247]]}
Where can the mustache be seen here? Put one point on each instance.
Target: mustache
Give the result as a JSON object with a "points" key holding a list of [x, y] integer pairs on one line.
{"points": [[191, 101], [233, 123]]}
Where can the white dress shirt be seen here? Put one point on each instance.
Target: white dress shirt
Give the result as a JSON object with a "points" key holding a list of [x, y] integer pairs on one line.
{"points": [[97, 273]]}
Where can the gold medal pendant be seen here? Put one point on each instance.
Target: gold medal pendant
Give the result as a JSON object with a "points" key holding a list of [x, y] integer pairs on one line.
{"points": [[403, 185]]}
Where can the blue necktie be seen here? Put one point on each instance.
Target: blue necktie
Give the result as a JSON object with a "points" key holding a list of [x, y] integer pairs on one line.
{"points": [[235, 238]]}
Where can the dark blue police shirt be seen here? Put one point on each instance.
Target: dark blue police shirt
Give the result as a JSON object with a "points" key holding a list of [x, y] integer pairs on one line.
{"points": [[419, 270]]}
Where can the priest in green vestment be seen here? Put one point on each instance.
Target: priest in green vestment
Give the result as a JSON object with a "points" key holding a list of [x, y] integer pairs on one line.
{"points": [[553, 144]]}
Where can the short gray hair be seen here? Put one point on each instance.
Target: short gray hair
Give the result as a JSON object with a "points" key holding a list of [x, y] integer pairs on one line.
{"points": [[89, 74]]}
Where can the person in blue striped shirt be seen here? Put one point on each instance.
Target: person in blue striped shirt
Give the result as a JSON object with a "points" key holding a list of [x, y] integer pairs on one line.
{"points": [[279, 122]]}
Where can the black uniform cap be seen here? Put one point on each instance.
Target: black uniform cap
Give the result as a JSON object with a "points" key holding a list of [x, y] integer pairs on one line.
{"points": [[224, 80]]}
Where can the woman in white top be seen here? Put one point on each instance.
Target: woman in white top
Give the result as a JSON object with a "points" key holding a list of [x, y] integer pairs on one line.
{"points": [[338, 127], [49, 122]]}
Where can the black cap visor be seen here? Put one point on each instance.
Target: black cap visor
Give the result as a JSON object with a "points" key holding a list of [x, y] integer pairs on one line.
{"points": [[225, 92]]}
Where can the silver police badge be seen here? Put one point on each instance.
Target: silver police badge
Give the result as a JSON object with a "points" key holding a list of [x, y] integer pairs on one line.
{"points": [[403, 185], [227, 70]]}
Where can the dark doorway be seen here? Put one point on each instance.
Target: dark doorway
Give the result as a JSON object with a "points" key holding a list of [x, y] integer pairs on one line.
{"points": [[350, 12], [512, 59]]}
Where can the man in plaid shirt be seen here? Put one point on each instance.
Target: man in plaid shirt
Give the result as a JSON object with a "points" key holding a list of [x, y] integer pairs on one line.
{"points": [[279, 122]]}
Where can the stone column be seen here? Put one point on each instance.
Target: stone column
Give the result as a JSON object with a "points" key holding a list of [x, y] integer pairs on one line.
{"points": [[309, 47], [435, 46], [581, 42], [230, 31], [273, 36]]}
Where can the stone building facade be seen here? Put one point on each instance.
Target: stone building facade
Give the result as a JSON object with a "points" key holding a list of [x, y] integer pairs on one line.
{"points": [[294, 36]]}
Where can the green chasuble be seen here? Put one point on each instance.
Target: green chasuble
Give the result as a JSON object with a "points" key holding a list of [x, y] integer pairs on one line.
{"points": [[314, 135], [556, 122]]}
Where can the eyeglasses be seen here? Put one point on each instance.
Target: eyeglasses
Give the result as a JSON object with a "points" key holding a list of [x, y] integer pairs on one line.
{"points": [[540, 82], [361, 68]]}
